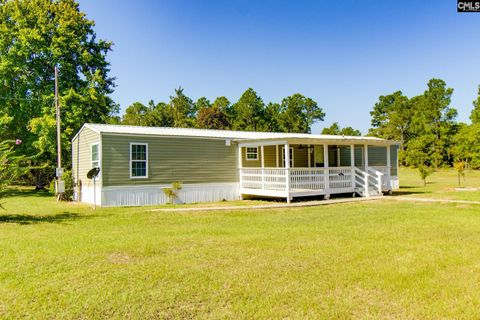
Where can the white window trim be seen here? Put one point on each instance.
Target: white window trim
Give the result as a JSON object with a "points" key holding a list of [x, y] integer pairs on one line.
{"points": [[91, 154], [292, 157], [146, 160], [246, 154]]}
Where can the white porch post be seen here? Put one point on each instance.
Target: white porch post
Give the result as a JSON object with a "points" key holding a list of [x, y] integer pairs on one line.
{"points": [[366, 174], [389, 169], [338, 156], [352, 163], [287, 170], [263, 167], [326, 171], [240, 171]]}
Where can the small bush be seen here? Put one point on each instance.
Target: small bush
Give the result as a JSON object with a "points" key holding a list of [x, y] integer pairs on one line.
{"points": [[172, 193]]}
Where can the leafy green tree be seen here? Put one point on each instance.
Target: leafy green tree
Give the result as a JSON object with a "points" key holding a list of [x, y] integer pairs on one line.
{"points": [[466, 146], [273, 117], [135, 115], [35, 36], [433, 122], [159, 115], [475, 115], [298, 113], [335, 129], [212, 116], [12, 164], [424, 172], [183, 110], [249, 112], [391, 119], [425, 124]]}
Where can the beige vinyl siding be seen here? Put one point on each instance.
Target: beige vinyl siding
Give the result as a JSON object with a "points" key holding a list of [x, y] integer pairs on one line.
{"points": [[81, 155], [271, 156], [301, 156], [189, 160], [249, 163]]}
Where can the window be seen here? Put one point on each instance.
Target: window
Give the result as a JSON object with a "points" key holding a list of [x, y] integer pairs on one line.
{"points": [[252, 153], [138, 160], [291, 157], [95, 156]]}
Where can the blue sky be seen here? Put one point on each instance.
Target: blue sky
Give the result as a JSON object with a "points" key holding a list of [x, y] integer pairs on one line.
{"points": [[343, 54]]}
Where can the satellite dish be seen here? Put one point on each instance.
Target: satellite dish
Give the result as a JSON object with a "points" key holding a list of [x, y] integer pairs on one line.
{"points": [[93, 173]]}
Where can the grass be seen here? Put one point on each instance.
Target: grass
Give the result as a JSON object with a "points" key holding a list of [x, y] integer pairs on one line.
{"points": [[442, 184], [374, 260]]}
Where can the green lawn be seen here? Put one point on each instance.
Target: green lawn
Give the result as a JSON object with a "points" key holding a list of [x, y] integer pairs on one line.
{"points": [[442, 184], [379, 259]]}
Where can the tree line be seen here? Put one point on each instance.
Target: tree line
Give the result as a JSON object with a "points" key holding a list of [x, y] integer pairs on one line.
{"points": [[295, 113], [427, 127], [36, 38]]}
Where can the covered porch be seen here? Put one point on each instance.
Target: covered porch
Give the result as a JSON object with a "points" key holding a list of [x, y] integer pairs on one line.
{"points": [[302, 167]]}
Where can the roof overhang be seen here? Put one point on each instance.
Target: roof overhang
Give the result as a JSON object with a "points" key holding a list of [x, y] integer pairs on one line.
{"points": [[313, 140]]}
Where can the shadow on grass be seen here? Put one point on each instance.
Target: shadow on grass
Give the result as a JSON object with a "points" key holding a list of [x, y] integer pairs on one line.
{"points": [[25, 219], [407, 192], [22, 192]]}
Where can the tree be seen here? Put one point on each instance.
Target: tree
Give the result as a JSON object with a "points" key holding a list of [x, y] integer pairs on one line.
{"points": [[425, 124], [424, 172], [212, 116], [391, 119], [433, 121], [298, 113], [475, 115], [465, 145], [159, 115], [35, 36], [272, 116], [335, 129], [182, 109], [135, 115], [12, 164], [249, 112]]}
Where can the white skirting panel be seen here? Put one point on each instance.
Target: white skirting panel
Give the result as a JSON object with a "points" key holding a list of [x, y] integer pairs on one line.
{"points": [[86, 194], [395, 183], [153, 195]]}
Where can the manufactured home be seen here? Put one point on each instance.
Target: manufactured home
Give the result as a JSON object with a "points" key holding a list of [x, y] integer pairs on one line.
{"points": [[137, 163]]}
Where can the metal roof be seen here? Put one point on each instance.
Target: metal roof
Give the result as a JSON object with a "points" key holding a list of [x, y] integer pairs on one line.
{"points": [[225, 134]]}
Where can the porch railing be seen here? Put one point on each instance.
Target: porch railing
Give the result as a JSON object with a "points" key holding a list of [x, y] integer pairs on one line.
{"points": [[300, 178], [370, 181]]}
